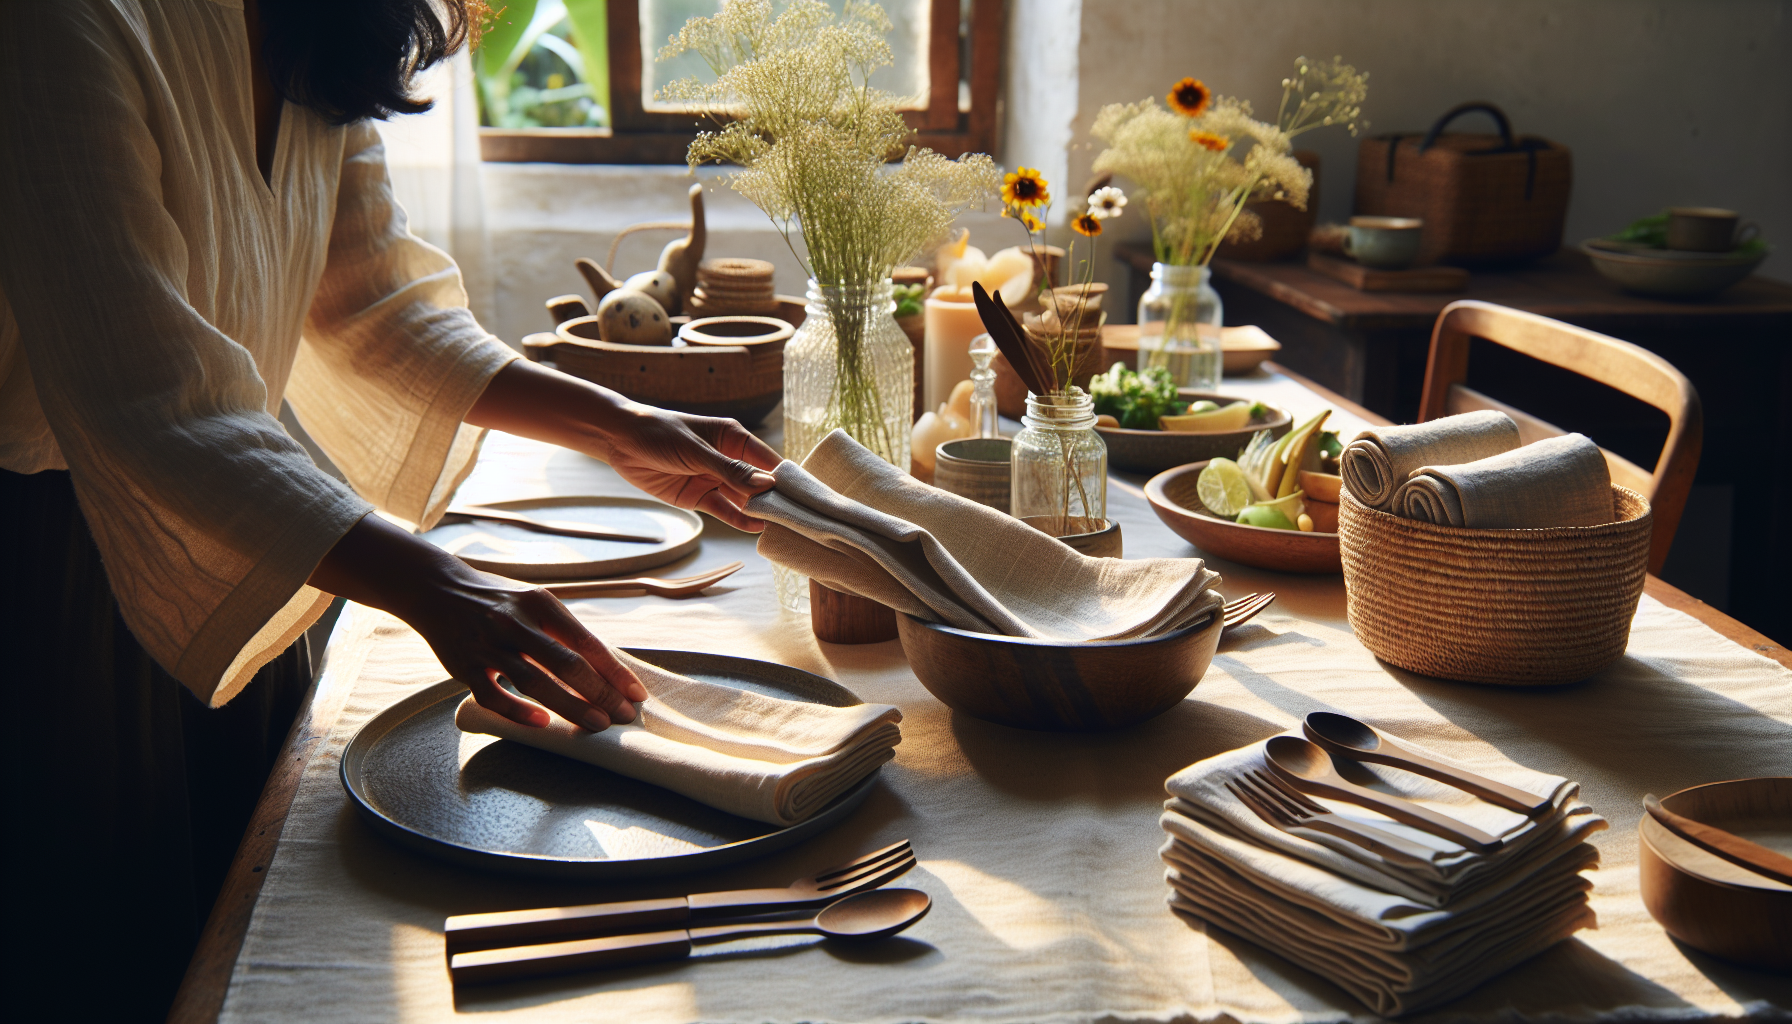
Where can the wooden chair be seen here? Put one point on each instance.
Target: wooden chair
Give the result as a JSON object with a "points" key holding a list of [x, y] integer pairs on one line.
{"points": [[1635, 371]]}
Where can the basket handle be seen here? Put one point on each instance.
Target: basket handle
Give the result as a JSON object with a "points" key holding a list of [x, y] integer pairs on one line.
{"points": [[1475, 106]]}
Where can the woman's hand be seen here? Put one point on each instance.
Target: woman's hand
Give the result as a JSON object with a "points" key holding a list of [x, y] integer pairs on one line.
{"points": [[483, 626]]}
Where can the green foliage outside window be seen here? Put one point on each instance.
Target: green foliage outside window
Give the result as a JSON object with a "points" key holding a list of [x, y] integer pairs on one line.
{"points": [[545, 64]]}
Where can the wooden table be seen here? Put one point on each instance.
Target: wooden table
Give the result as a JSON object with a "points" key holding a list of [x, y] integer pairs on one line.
{"points": [[203, 993], [1736, 348]]}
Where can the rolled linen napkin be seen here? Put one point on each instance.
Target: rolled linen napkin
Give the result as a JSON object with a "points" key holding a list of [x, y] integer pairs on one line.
{"points": [[1559, 481], [760, 757], [1380, 459], [859, 525]]}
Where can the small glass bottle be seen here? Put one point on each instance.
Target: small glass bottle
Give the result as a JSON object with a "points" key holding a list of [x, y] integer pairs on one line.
{"points": [[1059, 481], [1179, 319], [983, 382]]}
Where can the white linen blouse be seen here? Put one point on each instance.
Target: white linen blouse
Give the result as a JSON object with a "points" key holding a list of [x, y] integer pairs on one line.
{"points": [[158, 299]]}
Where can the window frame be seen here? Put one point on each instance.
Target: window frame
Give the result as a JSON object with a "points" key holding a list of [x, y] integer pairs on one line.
{"points": [[641, 136]]}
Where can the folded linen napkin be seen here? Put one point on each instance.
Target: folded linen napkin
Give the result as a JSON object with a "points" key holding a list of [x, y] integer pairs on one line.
{"points": [[760, 757], [859, 525], [1558, 481], [1379, 460]]}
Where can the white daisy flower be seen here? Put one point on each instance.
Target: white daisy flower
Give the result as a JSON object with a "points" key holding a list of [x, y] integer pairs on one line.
{"points": [[1106, 203]]}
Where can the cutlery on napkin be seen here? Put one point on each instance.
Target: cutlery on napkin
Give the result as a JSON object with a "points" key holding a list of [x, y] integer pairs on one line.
{"points": [[1558, 481], [765, 758], [1380, 459]]}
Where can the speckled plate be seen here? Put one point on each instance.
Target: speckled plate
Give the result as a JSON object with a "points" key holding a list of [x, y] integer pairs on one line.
{"points": [[489, 804], [523, 554]]}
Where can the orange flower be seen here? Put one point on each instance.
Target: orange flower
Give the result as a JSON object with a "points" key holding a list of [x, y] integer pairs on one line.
{"points": [[1208, 140], [1087, 224], [1190, 97], [1025, 216], [1025, 187]]}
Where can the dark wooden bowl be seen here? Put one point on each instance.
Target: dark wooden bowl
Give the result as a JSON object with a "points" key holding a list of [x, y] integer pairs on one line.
{"points": [[1707, 902], [1172, 496], [1153, 451], [1056, 685]]}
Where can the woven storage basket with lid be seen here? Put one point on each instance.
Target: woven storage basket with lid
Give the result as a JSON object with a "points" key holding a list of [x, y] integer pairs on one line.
{"points": [[1508, 607]]}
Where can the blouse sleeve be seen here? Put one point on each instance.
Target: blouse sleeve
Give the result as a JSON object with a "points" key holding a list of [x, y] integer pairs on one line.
{"points": [[391, 360], [209, 517]]}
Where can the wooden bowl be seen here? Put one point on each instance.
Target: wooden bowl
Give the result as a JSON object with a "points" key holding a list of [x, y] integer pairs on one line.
{"points": [[1172, 496], [745, 331], [1097, 538], [1707, 902], [1153, 451], [1692, 276], [1056, 685], [1242, 349]]}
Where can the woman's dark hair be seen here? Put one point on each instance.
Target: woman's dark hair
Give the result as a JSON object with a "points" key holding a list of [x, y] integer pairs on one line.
{"points": [[350, 59]]}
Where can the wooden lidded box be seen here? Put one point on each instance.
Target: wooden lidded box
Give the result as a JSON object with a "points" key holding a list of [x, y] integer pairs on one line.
{"points": [[1486, 200]]}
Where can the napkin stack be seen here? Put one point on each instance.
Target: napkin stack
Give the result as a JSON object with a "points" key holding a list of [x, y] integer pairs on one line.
{"points": [[1398, 935], [861, 526], [1470, 471], [772, 760]]}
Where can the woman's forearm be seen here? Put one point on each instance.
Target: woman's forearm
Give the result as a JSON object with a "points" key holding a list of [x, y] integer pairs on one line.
{"points": [[532, 401]]}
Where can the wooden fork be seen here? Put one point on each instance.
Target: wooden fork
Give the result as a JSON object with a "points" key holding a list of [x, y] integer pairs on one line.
{"points": [[1239, 611], [1286, 810], [682, 586]]}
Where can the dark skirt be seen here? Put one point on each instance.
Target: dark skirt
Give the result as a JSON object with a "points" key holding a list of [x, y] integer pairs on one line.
{"points": [[126, 797]]}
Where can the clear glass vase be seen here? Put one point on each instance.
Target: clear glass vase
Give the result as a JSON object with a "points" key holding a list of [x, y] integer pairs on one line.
{"points": [[1060, 466], [1179, 320], [848, 366]]}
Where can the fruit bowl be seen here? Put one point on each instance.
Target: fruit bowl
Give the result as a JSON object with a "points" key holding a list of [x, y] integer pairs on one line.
{"points": [[1153, 451], [1173, 498]]}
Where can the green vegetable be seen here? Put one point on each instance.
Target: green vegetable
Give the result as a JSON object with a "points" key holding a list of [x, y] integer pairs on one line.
{"points": [[908, 299], [1329, 445], [1137, 400], [1652, 231], [1259, 410]]}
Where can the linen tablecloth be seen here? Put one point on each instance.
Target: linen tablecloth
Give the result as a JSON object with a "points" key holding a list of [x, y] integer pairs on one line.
{"points": [[1040, 850]]}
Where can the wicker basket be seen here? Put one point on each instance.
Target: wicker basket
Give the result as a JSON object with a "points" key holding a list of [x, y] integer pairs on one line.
{"points": [[1509, 607]]}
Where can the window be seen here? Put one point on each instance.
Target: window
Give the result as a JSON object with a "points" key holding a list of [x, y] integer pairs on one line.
{"points": [[572, 81]]}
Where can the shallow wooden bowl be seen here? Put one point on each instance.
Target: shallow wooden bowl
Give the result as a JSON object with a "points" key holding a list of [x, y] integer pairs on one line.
{"points": [[1055, 685], [1172, 496], [745, 331], [1707, 902], [1097, 538], [1153, 451]]}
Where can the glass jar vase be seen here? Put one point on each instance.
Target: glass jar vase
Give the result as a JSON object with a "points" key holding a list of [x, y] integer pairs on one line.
{"points": [[1059, 481], [1179, 320], [848, 366]]}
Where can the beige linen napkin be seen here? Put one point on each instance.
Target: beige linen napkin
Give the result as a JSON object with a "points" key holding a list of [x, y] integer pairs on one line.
{"points": [[859, 525], [1380, 459], [1558, 481], [760, 757]]}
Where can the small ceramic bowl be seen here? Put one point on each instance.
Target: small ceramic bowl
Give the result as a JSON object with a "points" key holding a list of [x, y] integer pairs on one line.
{"points": [[1055, 685], [1153, 451], [1686, 276], [978, 468], [1708, 902], [1172, 496]]}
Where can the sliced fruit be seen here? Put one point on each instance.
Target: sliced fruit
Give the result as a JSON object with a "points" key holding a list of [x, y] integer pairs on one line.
{"points": [[1204, 405], [1212, 421], [1263, 515], [1223, 489], [1295, 453], [1321, 486], [1305, 522]]}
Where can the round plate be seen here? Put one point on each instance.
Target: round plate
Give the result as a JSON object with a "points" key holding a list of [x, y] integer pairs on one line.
{"points": [[532, 555], [1153, 451], [1172, 496], [483, 803]]}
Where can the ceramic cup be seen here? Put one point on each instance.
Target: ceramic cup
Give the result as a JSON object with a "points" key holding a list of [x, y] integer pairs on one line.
{"points": [[976, 468], [1384, 243], [1706, 229]]}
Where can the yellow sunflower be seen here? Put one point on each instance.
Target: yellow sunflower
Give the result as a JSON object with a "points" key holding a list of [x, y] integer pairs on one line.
{"points": [[1190, 97], [1025, 187], [1025, 216], [1208, 140], [1088, 224]]}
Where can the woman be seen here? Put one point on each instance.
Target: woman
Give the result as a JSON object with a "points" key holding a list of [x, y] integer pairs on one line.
{"points": [[196, 222]]}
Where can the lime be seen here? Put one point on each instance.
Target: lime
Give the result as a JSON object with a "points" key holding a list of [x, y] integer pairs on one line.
{"points": [[1263, 515], [1222, 488], [1290, 505]]}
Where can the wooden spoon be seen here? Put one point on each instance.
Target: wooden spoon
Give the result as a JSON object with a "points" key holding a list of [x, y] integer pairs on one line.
{"points": [[1347, 737], [682, 586], [1307, 767], [1715, 841], [877, 914]]}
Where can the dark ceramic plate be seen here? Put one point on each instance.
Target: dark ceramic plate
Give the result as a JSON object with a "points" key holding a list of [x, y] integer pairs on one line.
{"points": [[485, 803]]}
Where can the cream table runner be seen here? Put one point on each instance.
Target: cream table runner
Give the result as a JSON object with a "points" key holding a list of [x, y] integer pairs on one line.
{"points": [[1040, 851]]}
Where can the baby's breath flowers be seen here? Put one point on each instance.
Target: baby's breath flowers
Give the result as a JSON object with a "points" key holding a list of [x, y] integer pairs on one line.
{"points": [[1323, 92], [1190, 97]]}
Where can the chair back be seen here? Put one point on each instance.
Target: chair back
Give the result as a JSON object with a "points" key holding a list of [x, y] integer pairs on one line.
{"points": [[1617, 364]]}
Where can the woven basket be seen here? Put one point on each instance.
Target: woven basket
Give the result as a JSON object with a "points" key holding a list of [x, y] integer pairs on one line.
{"points": [[1508, 607]]}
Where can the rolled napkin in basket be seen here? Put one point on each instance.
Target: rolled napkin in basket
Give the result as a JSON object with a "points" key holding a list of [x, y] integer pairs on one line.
{"points": [[860, 526], [772, 760], [1380, 459], [1558, 481]]}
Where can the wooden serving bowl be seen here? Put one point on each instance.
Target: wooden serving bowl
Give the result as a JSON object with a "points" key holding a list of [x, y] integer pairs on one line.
{"points": [[1153, 451], [1055, 685], [1707, 902], [1173, 498]]}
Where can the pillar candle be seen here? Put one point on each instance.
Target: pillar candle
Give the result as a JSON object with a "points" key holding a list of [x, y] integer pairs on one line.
{"points": [[949, 330]]}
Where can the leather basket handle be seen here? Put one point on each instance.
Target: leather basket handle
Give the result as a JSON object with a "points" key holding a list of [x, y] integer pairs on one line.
{"points": [[1474, 106]]}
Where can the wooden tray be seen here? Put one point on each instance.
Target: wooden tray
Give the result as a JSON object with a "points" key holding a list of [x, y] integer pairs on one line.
{"points": [[1172, 497], [1366, 279], [488, 804], [540, 557]]}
